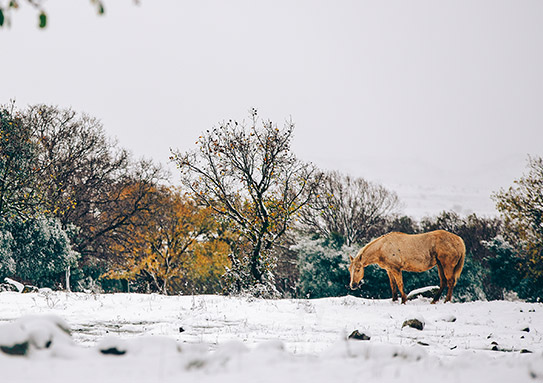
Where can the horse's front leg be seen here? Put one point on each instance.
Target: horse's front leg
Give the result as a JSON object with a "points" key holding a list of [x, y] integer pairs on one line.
{"points": [[392, 286], [397, 274]]}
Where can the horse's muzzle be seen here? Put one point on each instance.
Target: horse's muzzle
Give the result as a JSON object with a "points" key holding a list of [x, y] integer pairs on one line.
{"points": [[355, 286]]}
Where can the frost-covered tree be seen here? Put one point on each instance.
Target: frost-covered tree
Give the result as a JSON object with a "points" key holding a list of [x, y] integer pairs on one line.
{"points": [[249, 176], [522, 208], [41, 251], [323, 267]]}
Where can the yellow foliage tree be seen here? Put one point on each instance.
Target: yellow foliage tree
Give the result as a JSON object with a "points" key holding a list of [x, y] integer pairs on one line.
{"points": [[175, 247]]}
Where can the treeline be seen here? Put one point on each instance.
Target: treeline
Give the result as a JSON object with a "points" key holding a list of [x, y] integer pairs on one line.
{"points": [[78, 212]]}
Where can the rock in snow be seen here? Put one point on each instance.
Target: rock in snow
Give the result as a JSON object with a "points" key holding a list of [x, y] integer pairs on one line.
{"points": [[414, 323], [19, 287], [426, 292], [359, 336], [38, 332]]}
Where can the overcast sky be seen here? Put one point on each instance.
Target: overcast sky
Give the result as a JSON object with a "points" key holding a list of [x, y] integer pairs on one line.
{"points": [[436, 100]]}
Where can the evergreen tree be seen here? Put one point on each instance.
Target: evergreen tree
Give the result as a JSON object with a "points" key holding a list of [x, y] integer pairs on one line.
{"points": [[41, 251]]}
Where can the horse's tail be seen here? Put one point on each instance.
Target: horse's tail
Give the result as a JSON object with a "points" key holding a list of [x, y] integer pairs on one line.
{"points": [[460, 265]]}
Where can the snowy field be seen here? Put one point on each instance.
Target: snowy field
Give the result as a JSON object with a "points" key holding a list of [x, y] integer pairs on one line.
{"points": [[153, 338]]}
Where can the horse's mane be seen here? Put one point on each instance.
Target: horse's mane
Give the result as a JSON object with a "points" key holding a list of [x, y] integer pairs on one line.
{"points": [[373, 241]]}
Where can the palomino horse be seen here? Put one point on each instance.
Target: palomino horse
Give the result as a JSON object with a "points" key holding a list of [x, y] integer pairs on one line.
{"points": [[396, 252]]}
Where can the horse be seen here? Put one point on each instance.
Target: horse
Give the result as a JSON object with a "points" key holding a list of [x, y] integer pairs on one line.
{"points": [[396, 252]]}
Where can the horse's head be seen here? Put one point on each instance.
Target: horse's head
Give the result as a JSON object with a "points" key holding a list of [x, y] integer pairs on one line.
{"points": [[357, 271]]}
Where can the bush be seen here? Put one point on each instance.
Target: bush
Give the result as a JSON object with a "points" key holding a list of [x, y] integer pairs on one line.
{"points": [[507, 270], [41, 250], [375, 284], [471, 285], [323, 266]]}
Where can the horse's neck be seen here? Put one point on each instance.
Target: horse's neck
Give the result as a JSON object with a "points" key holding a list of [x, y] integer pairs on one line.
{"points": [[369, 256]]}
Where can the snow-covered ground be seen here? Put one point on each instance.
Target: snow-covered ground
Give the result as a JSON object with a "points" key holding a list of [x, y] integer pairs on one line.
{"points": [[227, 339]]}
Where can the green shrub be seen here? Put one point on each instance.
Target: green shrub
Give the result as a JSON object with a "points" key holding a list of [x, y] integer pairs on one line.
{"points": [[41, 250], [323, 267]]}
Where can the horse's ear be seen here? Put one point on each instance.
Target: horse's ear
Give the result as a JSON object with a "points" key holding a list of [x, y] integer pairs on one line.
{"points": [[351, 258]]}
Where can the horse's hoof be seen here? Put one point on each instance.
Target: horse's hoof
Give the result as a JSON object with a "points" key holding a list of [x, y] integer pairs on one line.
{"points": [[433, 302]]}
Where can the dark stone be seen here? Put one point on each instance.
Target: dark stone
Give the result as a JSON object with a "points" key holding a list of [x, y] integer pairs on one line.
{"points": [[16, 349], [415, 323], [181, 329], [359, 336], [422, 343], [524, 351], [527, 329], [113, 351]]}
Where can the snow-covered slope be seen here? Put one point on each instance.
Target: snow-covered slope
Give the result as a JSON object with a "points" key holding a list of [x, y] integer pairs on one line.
{"points": [[148, 338]]}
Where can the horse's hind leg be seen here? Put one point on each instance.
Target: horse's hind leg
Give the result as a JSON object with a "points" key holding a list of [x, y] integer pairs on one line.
{"points": [[450, 286], [451, 281], [442, 280], [392, 286]]}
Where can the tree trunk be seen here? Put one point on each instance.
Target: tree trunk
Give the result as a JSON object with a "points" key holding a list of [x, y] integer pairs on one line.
{"points": [[255, 260], [68, 273]]}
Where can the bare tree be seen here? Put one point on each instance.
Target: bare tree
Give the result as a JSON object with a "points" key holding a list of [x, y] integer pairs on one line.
{"points": [[250, 177], [348, 207], [88, 180]]}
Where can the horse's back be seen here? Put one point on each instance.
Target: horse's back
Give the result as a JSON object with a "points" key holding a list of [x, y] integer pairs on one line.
{"points": [[419, 252]]}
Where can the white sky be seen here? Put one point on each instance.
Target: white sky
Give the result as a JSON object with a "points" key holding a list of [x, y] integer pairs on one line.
{"points": [[417, 95]]}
